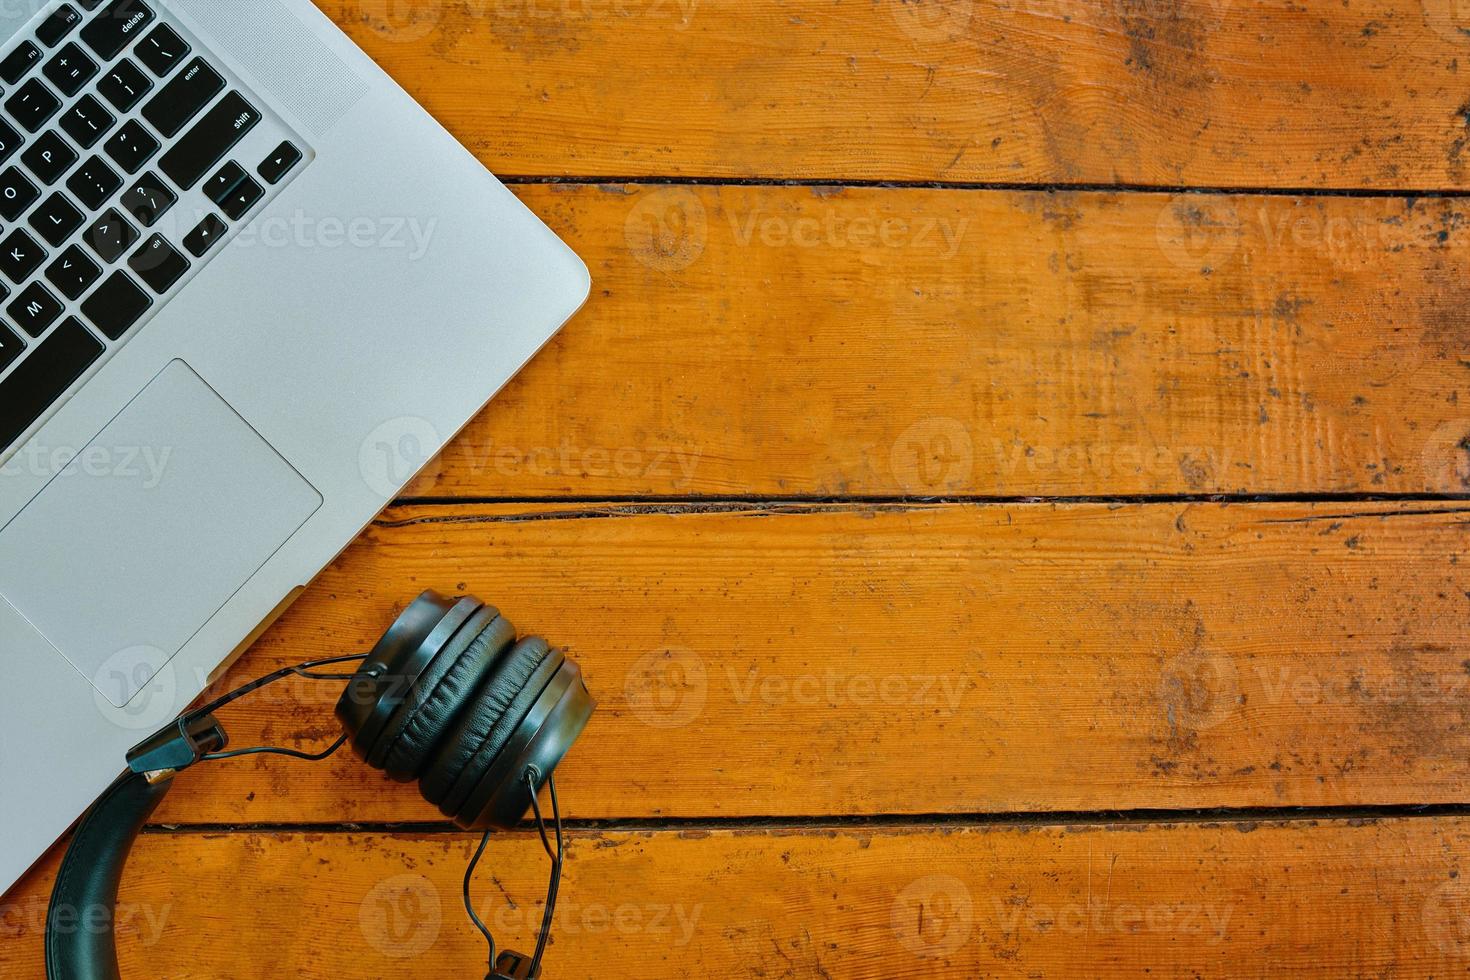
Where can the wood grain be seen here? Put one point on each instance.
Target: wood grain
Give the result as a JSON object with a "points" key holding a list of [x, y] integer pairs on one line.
{"points": [[777, 341], [1180, 901], [1188, 92], [794, 661]]}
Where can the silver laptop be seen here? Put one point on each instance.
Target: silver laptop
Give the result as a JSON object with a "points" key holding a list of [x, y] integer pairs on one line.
{"points": [[249, 289]]}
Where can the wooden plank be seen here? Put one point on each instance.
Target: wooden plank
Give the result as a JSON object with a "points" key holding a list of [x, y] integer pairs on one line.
{"points": [[769, 661], [1198, 92], [1166, 901], [1001, 343]]}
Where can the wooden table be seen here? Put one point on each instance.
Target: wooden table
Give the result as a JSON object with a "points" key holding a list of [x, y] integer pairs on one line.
{"points": [[1007, 492]]}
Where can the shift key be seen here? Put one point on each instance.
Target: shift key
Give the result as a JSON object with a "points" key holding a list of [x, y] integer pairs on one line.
{"points": [[211, 138]]}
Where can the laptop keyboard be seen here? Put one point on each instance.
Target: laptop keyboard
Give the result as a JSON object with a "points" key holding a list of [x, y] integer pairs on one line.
{"points": [[128, 155]]}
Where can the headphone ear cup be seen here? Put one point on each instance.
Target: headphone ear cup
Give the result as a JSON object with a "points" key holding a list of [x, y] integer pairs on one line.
{"points": [[472, 745], [471, 657], [384, 681]]}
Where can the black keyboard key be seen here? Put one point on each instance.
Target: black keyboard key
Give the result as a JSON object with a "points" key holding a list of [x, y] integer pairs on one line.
{"points": [[211, 138], [49, 157], [279, 163], [10, 141], [205, 234], [70, 70], [20, 256], [63, 20], [149, 199], [16, 194], [56, 219], [242, 198], [35, 309], [218, 187], [159, 264], [124, 85], [32, 105], [19, 61], [162, 50], [90, 4], [87, 122], [39, 380], [116, 305], [10, 346], [183, 98], [132, 146], [110, 236], [93, 183], [73, 273], [116, 26]]}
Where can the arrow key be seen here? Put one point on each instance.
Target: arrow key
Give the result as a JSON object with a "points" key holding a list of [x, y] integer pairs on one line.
{"points": [[204, 237]]}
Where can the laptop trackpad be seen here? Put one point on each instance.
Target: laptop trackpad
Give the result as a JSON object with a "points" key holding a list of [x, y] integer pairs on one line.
{"points": [[147, 532]]}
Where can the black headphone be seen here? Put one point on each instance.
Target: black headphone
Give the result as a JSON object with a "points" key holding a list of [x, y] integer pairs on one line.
{"points": [[447, 697]]}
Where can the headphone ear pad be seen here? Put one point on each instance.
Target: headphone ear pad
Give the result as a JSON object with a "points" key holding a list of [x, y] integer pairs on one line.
{"points": [[486, 725], [440, 706]]}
